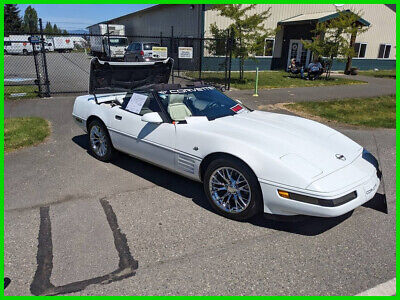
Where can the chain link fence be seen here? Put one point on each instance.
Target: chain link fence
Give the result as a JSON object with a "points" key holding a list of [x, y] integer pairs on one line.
{"points": [[39, 64]]}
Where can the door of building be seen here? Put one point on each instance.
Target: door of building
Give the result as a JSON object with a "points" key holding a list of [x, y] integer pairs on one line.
{"points": [[298, 52]]}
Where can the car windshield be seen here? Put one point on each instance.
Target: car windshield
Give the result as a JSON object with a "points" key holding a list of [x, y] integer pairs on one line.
{"points": [[202, 101], [149, 46], [118, 42]]}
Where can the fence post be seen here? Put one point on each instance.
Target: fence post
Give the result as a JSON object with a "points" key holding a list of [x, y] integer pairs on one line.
{"points": [[172, 51], [108, 42], [226, 60], [44, 61], [38, 77], [256, 86], [230, 58], [203, 9]]}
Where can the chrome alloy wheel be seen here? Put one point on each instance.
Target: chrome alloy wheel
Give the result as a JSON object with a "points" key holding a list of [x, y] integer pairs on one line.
{"points": [[98, 140], [230, 190]]}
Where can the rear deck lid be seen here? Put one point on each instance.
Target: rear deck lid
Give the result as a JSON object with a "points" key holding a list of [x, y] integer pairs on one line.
{"points": [[110, 77]]}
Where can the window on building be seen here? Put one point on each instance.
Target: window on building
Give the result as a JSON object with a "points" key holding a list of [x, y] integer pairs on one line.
{"points": [[267, 48], [360, 49], [384, 50], [216, 47]]}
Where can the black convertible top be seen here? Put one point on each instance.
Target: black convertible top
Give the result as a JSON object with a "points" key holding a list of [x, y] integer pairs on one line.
{"points": [[110, 77]]}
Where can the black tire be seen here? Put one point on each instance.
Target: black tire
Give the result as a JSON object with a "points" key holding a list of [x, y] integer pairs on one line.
{"points": [[25, 52], [110, 151], [256, 201]]}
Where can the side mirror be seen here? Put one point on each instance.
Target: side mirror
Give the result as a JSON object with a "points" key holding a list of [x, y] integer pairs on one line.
{"points": [[153, 117]]}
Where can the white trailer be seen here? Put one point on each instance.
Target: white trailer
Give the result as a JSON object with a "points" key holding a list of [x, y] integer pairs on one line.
{"points": [[61, 43], [109, 48]]}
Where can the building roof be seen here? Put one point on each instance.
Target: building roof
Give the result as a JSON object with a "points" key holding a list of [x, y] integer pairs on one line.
{"points": [[157, 6], [316, 17]]}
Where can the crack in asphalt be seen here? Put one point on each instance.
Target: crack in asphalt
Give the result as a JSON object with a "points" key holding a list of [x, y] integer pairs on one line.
{"points": [[41, 283]]}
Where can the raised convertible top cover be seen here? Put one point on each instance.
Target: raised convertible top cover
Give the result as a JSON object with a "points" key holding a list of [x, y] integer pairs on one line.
{"points": [[109, 77]]}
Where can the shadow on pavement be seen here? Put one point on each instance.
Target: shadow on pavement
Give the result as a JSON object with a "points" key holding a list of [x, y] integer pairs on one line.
{"points": [[308, 226]]}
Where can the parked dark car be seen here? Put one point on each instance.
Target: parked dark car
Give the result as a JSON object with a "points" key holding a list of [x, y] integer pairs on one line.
{"points": [[141, 51]]}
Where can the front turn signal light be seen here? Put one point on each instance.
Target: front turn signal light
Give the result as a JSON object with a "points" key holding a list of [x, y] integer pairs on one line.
{"points": [[283, 194]]}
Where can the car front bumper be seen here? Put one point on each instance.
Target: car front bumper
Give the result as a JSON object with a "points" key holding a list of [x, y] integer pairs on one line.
{"points": [[318, 204]]}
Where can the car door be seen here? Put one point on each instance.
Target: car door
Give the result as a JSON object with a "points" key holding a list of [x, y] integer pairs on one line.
{"points": [[148, 141], [129, 52], [138, 48]]}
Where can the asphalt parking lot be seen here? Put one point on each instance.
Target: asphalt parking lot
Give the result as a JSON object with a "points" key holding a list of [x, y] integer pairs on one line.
{"points": [[68, 72], [76, 225]]}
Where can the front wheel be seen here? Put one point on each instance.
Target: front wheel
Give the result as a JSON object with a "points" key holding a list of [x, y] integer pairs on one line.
{"points": [[232, 189], [99, 141]]}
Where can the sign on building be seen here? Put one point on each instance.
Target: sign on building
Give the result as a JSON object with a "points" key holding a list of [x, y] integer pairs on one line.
{"points": [[185, 52], [160, 52]]}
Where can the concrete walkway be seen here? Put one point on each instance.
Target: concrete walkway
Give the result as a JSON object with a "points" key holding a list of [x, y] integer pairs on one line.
{"points": [[374, 87]]}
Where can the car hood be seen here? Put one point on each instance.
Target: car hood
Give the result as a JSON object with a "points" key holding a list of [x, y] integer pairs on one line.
{"points": [[304, 146]]}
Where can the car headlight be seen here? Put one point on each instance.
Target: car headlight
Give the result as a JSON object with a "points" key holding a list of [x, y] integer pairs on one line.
{"points": [[372, 160]]}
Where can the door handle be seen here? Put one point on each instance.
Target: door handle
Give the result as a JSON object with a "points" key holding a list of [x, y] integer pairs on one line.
{"points": [[118, 117]]}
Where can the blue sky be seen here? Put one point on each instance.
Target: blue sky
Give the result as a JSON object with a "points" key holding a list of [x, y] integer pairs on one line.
{"points": [[79, 16]]}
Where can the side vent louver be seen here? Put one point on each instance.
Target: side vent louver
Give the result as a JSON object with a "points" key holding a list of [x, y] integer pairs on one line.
{"points": [[186, 163]]}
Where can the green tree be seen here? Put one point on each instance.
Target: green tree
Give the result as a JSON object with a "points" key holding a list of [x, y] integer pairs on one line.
{"points": [[12, 20], [247, 28], [336, 37], [30, 24], [48, 28], [56, 30]]}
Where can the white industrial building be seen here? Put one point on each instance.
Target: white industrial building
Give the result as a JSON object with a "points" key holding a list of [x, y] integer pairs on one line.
{"points": [[375, 48]]}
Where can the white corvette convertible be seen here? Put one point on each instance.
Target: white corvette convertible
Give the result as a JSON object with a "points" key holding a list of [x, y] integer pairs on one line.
{"points": [[249, 161]]}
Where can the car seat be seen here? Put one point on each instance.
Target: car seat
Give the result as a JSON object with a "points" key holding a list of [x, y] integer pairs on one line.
{"points": [[177, 109]]}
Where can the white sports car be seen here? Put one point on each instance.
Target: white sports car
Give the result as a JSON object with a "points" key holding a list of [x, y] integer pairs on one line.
{"points": [[249, 161]]}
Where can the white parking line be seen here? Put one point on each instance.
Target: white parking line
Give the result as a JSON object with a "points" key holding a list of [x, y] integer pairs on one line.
{"points": [[387, 288]]}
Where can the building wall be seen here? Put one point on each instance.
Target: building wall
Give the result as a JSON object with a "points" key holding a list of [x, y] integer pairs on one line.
{"points": [[381, 17], [158, 21]]}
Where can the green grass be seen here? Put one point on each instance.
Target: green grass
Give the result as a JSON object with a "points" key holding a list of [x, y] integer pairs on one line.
{"points": [[269, 79], [30, 91], [369, 112], [380, 73], [22, 132]]}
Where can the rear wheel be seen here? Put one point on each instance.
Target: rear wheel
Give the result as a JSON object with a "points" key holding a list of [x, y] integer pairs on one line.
{"points": [[232, 189], [99, 141], [25, 52]]}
